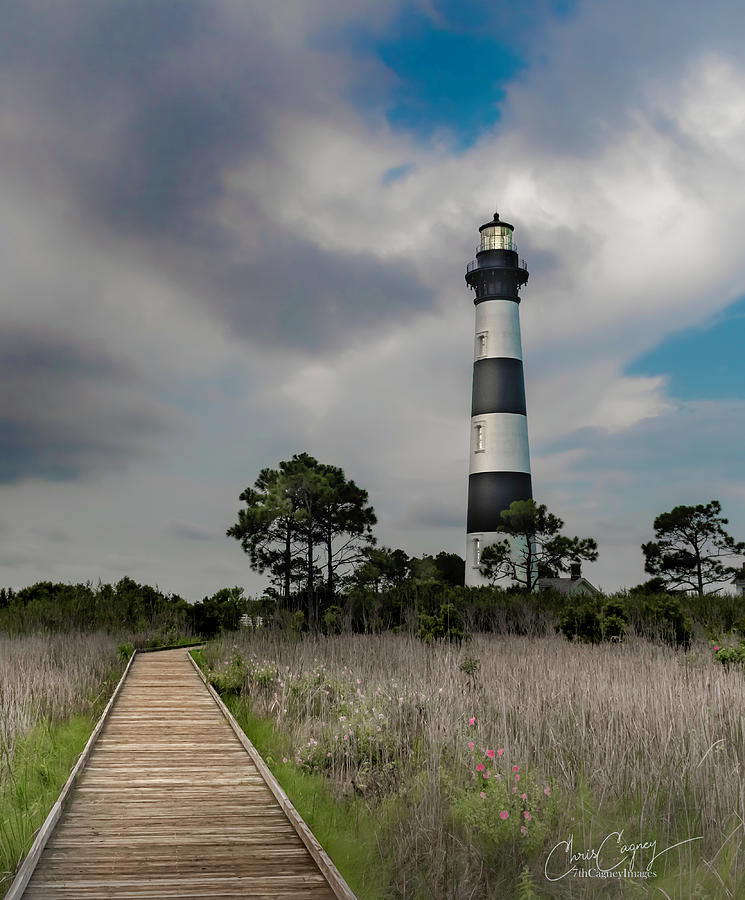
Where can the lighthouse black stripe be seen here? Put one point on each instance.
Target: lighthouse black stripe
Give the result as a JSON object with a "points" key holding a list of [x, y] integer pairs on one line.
{"points": [[498, 386], [491, 492]]}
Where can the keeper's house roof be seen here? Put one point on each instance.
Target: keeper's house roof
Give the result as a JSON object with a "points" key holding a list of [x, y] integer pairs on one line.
{"points": [[568, 586]]}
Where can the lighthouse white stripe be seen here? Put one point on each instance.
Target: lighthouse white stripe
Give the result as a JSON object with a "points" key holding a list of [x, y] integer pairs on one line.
{"points": [[505, 442], [500, 321]]}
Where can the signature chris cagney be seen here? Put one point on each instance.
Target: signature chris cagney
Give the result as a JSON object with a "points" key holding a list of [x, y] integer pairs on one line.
{"points": [[611, 854]]}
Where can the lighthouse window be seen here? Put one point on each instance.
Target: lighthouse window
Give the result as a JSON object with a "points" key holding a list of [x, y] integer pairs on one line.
{"points": [[481, 339], [476, 552], [480, 437]]}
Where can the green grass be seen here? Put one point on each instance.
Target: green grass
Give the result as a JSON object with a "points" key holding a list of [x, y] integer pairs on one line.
{"points": [[344, 828], [156, 645], [40, 766]]}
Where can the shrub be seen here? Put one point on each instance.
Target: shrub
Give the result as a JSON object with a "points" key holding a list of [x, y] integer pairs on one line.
{"points": [[591, 623], [504, 808], [332, 620], [447, 624], [581, 622], [668, 621], [230, 681], [615, 620], [727, 655]]}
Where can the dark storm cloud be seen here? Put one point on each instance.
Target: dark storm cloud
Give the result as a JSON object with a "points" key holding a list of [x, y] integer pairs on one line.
{"points": [[157, 107], [296, 294], [141, 109], [68, 411]]}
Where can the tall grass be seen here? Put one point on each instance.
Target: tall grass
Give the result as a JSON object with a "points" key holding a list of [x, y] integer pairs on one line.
{"points": [[634, 737], [49, 677], [52, 688]]}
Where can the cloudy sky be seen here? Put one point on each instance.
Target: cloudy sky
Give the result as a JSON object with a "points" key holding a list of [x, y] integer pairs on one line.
{"points": [[232, 231]]}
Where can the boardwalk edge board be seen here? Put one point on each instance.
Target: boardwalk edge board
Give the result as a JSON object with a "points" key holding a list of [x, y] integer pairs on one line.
{"points": [[322, 859], [23, 876]]}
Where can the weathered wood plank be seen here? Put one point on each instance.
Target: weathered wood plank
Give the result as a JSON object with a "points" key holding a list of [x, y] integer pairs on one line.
{"points": [[170, 805]]}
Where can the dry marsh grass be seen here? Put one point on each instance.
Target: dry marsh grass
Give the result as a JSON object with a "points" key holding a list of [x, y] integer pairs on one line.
{"points": [[634, 737], [49, 677], [51, 689]]}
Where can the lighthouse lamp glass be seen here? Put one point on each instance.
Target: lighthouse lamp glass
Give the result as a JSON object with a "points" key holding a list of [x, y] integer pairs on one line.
{"points": [[496, 237]]}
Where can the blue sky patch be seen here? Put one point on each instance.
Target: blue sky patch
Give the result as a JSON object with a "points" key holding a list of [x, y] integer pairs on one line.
{"points": [[396, 173], [702, 363], [449, 81]]}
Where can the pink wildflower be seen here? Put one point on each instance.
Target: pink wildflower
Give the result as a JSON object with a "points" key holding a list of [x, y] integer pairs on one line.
{"points": [[547, 792], [500, 752], [517, 777], [716, 647], [516, 768], [470, 745], [472, 720], [482, 795], [525, 796], [487, 774], [490, 754], [527, 815], [480, 767], [523, 829], [504, 814]]}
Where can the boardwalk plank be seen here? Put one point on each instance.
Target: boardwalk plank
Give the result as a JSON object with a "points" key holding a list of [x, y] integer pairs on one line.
{"points": [[170, 805]]}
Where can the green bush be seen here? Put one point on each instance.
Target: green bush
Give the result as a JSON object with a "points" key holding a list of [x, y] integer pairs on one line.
{"points": [[666, 619], [447, 624], [332, 620], [582, 622], [504, 810], [229, 682], [592, 623], [727, 655], [615, 620]]}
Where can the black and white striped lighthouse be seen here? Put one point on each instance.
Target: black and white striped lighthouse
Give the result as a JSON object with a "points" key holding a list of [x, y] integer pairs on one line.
{"points": [[499, 462]]}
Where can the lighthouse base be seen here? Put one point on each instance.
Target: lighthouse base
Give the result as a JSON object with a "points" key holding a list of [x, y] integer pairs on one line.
{"points": [[476, 542]]}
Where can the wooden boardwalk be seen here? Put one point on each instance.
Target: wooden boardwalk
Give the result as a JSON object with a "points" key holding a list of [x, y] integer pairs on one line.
{"points": [[170, 804]]}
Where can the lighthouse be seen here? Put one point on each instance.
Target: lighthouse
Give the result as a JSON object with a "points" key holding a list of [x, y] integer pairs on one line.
{"points": [[499, 458]]}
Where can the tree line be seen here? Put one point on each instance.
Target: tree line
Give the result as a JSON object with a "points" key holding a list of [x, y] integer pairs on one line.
{"points": [[305, 524], [124, 608], [311, 529]]}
